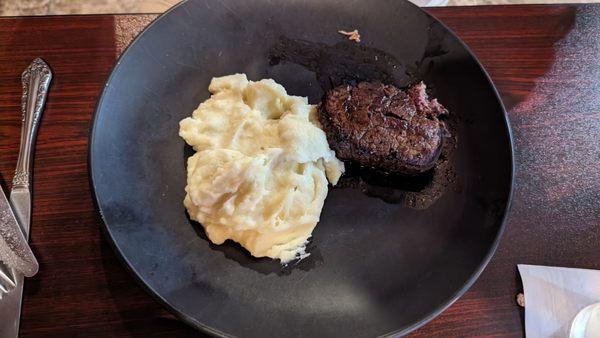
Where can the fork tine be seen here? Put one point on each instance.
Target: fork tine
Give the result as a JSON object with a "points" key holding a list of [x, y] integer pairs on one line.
{"points": [[3, 289], [6, 281]]}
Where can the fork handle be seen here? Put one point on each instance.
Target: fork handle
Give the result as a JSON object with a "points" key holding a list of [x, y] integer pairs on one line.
{"points": [[36, 81]]}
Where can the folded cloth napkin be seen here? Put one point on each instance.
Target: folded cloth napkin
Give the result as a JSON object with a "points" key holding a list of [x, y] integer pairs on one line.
{"points": [[554, 296]]}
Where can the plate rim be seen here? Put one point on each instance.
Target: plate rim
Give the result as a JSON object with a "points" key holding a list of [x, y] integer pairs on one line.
{"points": [[218, 333]]}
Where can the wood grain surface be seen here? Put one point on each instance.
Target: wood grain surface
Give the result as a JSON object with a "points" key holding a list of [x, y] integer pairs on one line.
{"points": [[543, 59]]}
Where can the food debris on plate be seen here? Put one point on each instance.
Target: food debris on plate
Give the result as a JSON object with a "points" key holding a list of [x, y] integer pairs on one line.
{"points": [[353, 35]]}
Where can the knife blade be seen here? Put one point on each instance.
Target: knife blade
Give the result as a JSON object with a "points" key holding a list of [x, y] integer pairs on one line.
{"points": [[14, 250], [36, 82]]}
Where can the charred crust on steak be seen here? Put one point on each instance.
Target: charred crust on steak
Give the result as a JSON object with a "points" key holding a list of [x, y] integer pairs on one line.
{"points": [[383, 127]]}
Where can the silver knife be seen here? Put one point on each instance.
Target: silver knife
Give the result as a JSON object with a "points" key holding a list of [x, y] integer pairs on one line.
{"points": [[36, 81], [14, 250]]}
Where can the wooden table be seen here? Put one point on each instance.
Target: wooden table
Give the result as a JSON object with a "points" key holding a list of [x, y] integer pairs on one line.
{"points": [[545, 61]]}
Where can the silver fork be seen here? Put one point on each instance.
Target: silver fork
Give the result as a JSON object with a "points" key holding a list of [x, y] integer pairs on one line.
{"points": [[36, 81]]}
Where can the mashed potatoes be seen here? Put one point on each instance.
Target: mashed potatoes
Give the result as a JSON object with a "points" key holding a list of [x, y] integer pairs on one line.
{"points": [[259, 175]]}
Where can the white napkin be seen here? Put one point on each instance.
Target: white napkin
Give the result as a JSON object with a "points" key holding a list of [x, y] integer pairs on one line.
{"points": [[554, 296], [430, 3]]}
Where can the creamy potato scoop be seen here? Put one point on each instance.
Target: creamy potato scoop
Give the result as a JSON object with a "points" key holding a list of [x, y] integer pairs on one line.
{"points": [[261, 168]]}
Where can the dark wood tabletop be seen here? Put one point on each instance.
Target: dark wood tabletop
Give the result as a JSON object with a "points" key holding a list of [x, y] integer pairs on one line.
{"points": [[545, 61]]}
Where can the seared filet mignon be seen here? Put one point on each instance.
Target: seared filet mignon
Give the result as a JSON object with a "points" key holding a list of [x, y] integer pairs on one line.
{"points": [[384, 127]]}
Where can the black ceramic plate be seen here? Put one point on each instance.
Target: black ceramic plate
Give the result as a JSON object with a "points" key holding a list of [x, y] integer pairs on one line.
{"points": [[376, 267]]}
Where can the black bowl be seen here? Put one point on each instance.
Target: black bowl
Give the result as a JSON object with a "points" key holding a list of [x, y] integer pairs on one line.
{"points": [[376, 267]]}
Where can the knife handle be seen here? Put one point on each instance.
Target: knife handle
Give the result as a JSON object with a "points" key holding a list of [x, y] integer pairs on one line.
{"points": [[36, 81]]}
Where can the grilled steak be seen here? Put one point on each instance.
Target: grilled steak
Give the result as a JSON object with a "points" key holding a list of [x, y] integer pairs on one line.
{"points": [[383, 127]]}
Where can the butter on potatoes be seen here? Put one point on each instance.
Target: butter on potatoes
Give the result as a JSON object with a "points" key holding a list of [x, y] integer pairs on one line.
{"points": [[261, 168]]}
